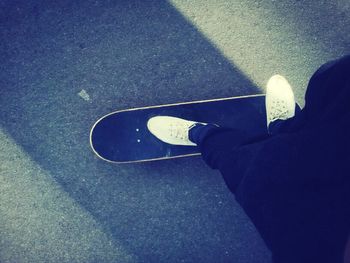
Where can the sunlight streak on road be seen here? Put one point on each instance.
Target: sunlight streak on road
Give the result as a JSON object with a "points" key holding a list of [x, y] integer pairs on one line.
{"points": [[257, 39]]}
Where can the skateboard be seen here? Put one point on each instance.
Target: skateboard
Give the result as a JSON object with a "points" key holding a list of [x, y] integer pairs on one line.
{"points": [[123, 137]]}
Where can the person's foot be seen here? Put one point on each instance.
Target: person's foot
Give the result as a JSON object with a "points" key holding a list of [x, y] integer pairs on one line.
{"points": [[280, 102], [172, 130]]}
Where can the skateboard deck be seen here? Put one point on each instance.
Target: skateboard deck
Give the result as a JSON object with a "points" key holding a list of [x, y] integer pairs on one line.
{"points": [[123, 137]]}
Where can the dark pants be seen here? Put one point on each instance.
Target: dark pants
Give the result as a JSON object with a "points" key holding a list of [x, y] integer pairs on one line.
{"points": [[294, 184]]}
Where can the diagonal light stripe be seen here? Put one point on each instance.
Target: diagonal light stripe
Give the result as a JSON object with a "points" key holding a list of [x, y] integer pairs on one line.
{"points": [[258, 39]]}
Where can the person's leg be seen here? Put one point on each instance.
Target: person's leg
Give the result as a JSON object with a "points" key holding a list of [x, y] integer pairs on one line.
{"points": [[231, 151], [228, 150], [328, 92], [220, 147]]}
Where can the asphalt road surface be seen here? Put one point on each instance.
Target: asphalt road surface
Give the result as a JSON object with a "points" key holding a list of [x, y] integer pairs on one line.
{"points": [[66, 63]]}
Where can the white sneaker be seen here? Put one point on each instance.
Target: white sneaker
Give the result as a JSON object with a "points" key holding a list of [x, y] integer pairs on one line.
{"points": [[171, 130], [280, 102]]}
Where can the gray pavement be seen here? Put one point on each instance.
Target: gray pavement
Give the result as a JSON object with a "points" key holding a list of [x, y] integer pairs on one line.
{"points": [[66, 64]]}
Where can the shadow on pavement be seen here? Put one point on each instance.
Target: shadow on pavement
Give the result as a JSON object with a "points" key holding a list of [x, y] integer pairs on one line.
{"points": [[122, 54]]}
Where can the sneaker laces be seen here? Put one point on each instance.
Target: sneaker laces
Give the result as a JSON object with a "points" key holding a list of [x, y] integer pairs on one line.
{"points": [[278, 110], [179, 131]]}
